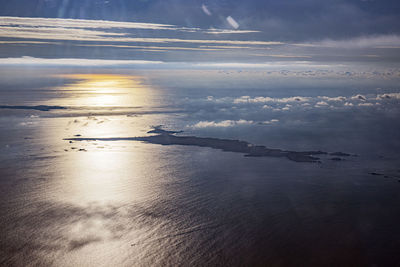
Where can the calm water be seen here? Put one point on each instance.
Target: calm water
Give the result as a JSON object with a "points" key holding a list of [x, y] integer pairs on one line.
{"points": [[135, 204]]}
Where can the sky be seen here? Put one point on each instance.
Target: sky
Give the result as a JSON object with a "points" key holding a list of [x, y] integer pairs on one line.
{"points": [[153, 32]]}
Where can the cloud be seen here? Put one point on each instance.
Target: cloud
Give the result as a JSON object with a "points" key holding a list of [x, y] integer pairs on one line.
{"points": [[69, 34], [268, 122], [83, 23], [106, 31], [371, 41], [235, 47], [358, 97], [230, 123], [225, 123], [334, 99], [218, 31], [281, 56], [154, 48], [26, 42], [252, 42], [55, 33], [301, 20], [296, 103], [73, 61], [260, 99], [389, 96], [321, 104], [24, 60], [273, 65], [365, 104]]}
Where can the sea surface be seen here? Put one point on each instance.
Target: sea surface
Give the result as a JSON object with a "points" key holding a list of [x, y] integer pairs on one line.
{"points": [[129, 203]]}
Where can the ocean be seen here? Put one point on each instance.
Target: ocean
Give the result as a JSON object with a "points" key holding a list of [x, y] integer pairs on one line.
{"points": [[103, 202]]}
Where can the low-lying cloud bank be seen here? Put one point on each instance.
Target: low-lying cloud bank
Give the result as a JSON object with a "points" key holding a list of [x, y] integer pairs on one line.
{"points": [[295, 102], [302, 99], [230, 123]]}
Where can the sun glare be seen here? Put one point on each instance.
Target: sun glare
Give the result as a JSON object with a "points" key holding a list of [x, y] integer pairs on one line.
{"points": [[103, 90]]}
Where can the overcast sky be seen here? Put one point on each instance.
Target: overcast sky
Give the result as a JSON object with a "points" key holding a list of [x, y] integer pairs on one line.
{"points": [[202, 31]]}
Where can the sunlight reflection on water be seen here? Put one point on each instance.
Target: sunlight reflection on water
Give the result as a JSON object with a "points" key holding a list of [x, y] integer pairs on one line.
{"points": [[102, 90], [127, 203]]}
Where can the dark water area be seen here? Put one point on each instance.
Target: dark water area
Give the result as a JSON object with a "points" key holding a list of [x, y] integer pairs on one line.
{"points": [[126, 202]]}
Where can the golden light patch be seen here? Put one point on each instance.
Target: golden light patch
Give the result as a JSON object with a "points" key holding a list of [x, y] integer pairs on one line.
{"points": [[102, 90]]}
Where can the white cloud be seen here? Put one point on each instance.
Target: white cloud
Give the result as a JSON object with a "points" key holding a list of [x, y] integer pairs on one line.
{"points": [[99, 36], [334, 99], [235, 47], [389, 96], [217, 31], [231, 123], [26, 42], [281, 56], [152, 48], [366, 104], [73, 61], [358, 97], [99, 31], [268, 122], [380, 41], [225, 123], [81, 23], [55, 33], [260, 99], [301, 102], [321, 104]]}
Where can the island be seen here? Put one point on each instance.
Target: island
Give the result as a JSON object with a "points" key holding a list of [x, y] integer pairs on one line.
{"points": [[164, 137]]}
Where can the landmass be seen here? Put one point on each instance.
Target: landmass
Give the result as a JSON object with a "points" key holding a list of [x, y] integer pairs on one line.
{"points": [[164, 137], [40, 107]]}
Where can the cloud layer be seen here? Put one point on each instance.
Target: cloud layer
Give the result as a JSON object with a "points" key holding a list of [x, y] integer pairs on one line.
{"points": [[231, 123], [232, 42]]}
